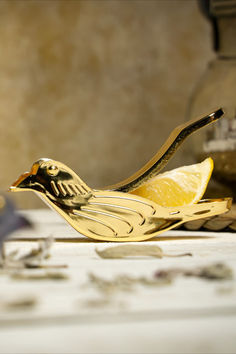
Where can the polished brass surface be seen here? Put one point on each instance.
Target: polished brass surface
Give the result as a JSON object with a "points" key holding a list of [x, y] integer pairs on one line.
{"points": [[107, 215], [159, 161]]}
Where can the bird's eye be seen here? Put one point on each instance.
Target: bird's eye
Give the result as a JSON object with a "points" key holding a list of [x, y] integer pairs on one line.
{"points": [[52, 170]]}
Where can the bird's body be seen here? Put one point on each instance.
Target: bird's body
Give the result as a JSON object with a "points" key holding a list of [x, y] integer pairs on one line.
{"points": [[105, 215], [115, 216]]}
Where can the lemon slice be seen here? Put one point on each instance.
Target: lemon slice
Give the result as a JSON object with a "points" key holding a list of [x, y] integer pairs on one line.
{"points": [[181, 186]]}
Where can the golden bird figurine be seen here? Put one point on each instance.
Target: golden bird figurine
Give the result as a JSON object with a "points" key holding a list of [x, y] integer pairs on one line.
{"points": [[112, 215], [106, 215]]}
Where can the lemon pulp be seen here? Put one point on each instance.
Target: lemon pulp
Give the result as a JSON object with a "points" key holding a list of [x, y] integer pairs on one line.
{"points": [[181, 186]]}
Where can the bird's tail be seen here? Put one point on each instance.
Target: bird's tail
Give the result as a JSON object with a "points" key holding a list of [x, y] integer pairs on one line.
{"points": [[174, 217], [203, 209]]}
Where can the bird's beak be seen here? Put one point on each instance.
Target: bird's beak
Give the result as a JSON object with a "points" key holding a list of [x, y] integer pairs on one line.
{"points": [[25, 181]]}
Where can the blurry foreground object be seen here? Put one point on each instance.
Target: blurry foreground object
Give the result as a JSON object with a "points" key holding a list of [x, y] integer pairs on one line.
{"points": [[218, 84], [115, 214], [10, 220]]}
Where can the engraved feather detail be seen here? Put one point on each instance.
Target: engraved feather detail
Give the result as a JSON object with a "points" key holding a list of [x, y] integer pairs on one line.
{"points": [[68, 189]]}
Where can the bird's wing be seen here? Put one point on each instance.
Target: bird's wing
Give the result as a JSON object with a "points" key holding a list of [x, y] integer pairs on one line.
{"points": [[119, 216], [69, 188]]}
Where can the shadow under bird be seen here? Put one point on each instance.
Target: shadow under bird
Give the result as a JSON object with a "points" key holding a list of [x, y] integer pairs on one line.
{"points": [[114, 214]]}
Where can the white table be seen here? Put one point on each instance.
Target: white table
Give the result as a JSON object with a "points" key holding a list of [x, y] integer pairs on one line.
{"points": [[190, 315]]}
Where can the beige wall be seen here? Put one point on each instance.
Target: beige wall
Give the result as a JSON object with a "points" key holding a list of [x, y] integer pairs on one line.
{"points": [[95, 84]]}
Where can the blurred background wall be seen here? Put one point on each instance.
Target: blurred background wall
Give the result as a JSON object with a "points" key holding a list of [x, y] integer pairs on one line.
{"points": [[98, 85]]}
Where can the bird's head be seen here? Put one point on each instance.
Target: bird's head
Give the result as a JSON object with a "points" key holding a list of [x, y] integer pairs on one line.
{"points": [[52, 179]]}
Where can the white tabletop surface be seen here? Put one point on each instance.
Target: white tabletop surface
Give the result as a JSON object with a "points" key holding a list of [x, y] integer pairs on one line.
{"points": [[190, 315]]}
